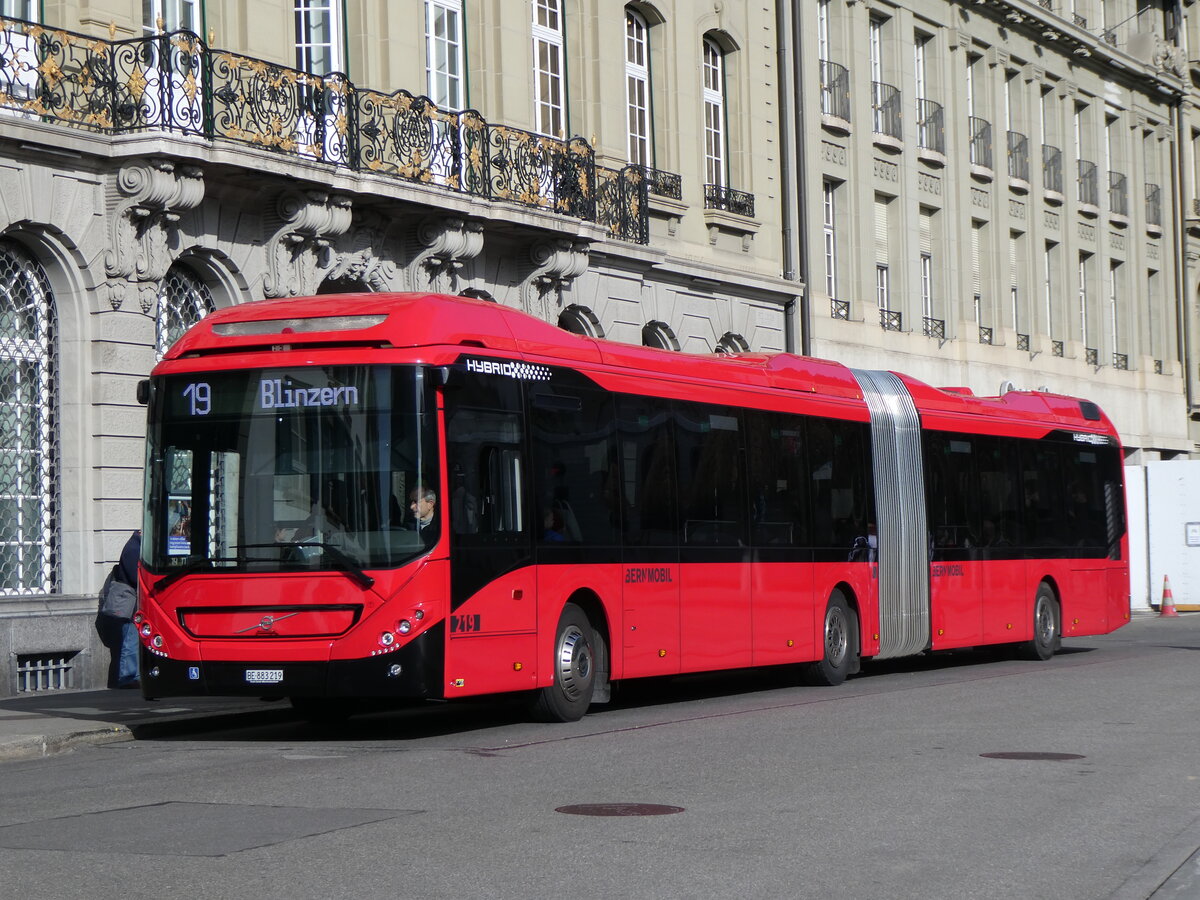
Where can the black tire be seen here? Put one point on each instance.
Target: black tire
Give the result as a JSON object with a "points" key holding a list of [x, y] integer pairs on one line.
{"points": [[840, 640], [1047, 626], [569, 697]]}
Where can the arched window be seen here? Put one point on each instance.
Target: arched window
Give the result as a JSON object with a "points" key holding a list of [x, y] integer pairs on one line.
{"points": [[637, 87], [182, 302], [659, 335], [29, 439], [580, 320], [732, 343]]}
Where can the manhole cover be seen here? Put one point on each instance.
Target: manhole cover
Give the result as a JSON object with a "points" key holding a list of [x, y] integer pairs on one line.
{"points": [[619, 809], [1032, 754]]}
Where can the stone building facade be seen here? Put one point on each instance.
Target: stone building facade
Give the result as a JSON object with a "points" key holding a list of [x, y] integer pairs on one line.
{"points": [[808, 175], [165, 158]]}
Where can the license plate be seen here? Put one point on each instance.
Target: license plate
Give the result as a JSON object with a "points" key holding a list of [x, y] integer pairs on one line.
{"points": [[264, 676]]}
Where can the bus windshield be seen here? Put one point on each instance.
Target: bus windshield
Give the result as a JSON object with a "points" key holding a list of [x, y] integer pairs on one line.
{"points": [[285, 469]]}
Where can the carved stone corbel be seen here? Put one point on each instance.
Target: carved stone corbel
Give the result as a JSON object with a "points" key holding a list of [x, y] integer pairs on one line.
{"points": [[446, 244], [145, 202], [358, 260], [556, 263], [298, 250]]}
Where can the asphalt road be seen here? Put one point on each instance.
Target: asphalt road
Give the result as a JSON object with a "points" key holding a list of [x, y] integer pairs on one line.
{"points": [[902, 783]]}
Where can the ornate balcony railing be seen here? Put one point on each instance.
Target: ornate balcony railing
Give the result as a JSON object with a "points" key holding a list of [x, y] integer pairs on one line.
{"points": [[1153, 205], [1118, 194], [1023, 342], [1079, 21], [1046, 5], [1158, 367], [717, 196], [175, 83], [1120, 360], [985, 334], [931, 126], [1057, 348], [934, 328], [835, 90], [981, 141], [890, 320], [1052, 172], [663, 184], [1091, 356], [1089, 189], [1018, 156], [840, 309], [886, 112]]}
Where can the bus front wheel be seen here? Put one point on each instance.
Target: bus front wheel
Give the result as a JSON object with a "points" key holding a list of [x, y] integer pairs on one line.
{"points": [[568, 698], [1047, 626], [840, 642]]}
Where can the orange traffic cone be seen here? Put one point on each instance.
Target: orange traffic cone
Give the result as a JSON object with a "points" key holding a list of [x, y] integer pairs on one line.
{"points": [[1167, 608]]}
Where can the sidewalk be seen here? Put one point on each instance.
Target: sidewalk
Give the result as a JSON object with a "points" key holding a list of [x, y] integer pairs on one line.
{"points": [[45, 724]]}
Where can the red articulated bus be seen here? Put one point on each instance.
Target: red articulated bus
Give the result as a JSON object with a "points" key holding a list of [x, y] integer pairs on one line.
{"points": [[423, 496]]}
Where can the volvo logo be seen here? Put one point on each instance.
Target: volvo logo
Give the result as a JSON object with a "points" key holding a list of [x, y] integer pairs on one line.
{"points": [[266, 623]]}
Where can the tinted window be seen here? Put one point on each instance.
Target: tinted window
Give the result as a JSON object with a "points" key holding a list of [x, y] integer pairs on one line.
{"points": [[841, 490], [778, 479], [647, 460], [712, 493], [574, 461]]}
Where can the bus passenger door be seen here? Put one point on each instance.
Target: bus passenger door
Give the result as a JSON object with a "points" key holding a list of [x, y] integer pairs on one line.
{"points": [[649, 523], [493, 599], [952, 511]]}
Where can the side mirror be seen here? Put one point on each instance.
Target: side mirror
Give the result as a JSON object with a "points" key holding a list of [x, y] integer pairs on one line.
{"points": [[143, 391]]}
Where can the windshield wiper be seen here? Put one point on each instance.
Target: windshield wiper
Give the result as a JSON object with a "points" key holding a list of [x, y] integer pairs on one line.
{"points": [[341, 561], [193, 564]]}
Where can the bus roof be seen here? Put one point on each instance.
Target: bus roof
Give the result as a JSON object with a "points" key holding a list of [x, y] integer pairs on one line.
{"points": [[413, 320]]}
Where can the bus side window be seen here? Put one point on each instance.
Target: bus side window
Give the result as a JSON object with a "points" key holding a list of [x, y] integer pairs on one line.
{"points": [[487, 476]]}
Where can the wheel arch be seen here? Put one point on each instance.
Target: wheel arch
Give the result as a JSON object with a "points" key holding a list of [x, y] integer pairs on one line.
{"points": [[593, 607]]}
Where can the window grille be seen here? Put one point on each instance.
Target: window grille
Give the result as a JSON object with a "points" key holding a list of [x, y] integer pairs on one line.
{"points": [[29, 438], [46, 671], [182, 302]]}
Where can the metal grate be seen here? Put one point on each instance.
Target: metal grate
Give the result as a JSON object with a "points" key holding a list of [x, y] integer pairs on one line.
{"points": [[183, 301], [890, 320], [29, 439], [1057, 348], [840, 309], [1022, 342], [934, 328], [985, 334], [1091, 356], [50, 671]]}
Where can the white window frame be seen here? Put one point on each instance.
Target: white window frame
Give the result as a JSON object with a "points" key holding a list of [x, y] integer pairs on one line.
{"points": [[637, 87], [883, 289], [823, 30], [19, 9], [1083, 298], [176, 15], [927, 285], [549, 68], [829, 214], [713, 86], [444, 57], [307, 14]]}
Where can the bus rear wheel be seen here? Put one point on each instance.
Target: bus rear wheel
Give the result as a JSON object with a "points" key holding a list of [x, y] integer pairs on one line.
{"points": [[1047, 626], [568, 698], [840, 640]]}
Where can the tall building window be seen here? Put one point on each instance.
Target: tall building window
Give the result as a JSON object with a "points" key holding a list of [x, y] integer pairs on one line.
{"points": [[19, 9], [1051, 276], [714, 113], [925, 242], [183, 301], [1084, 259], [319, 36], [882, 254], [167, 15], [829, 213], [977, 269], [549, 74], [823, 30], [29, 440], [444, 53], [637, 87], [1014, 291], [1114, 304]]}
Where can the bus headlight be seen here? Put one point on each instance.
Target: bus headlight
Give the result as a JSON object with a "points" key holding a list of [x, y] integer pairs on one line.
{"points": [[404, 626], [387, 639]]}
